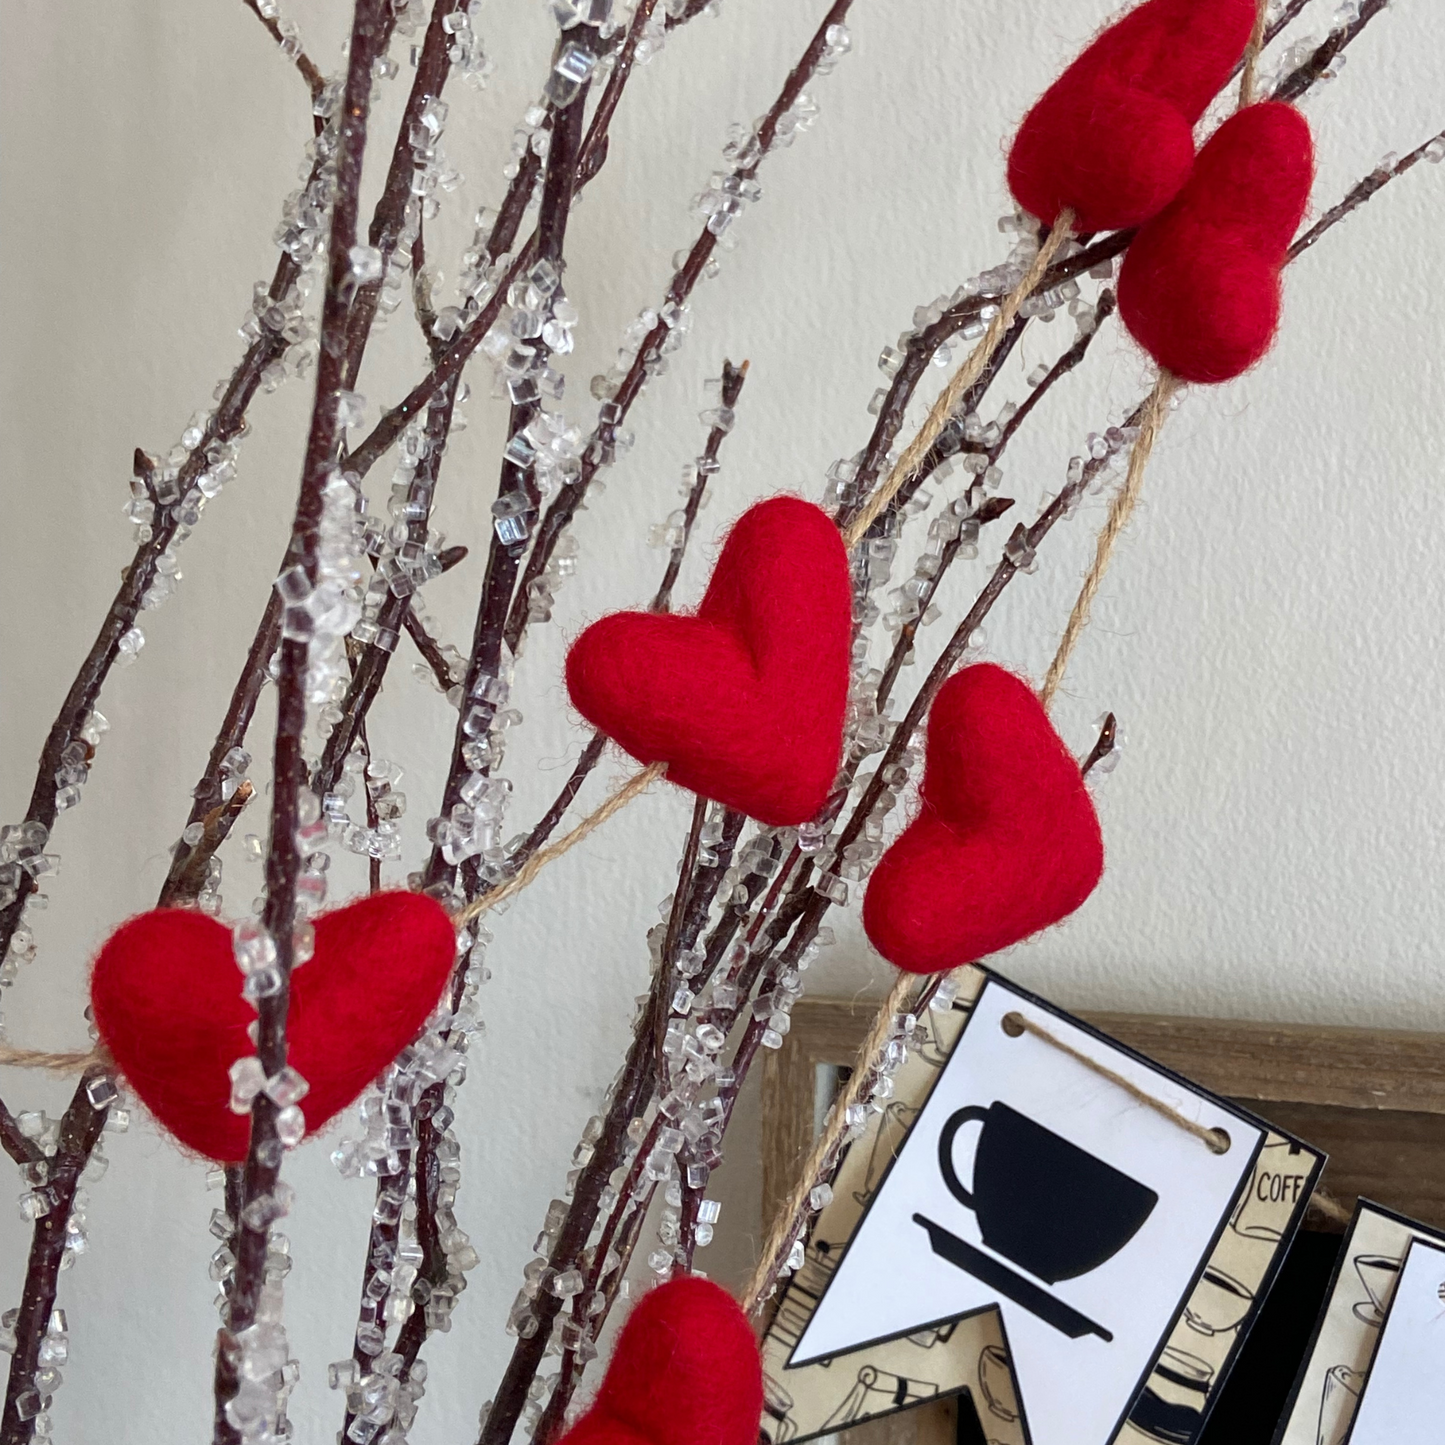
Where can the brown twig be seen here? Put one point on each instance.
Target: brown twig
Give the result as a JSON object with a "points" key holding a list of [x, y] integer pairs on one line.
{"points": [[729, 392], [629, 1098], [667, 963], [429, 649], [283, 862], [593, 150], [504, 561], [1302, 77], [1105, 744], [21, 1149], [381, 437], [504, 557], [206, 795], [432, 69], [586, 162], [689, 11], [988, 511], [1362, 190], [564, 505], [1285, 17], [993, 508], [949, 442], [79, 1130], [217, 824], [369, 672], [315, 81], [622, 1228]]}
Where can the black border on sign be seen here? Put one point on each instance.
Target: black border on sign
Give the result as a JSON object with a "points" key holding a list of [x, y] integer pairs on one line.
{"points": [[1361, 1205], [1384, 1325], [992, 977]]}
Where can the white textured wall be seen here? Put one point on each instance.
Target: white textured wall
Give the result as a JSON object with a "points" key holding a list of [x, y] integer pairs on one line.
{"points": [[1268, 634]]}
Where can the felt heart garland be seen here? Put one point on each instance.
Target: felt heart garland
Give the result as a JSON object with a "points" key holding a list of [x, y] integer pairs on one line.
{"points": [[1200, 285], [1112, 138], [685, 1372], [1006, 842], [744, 700], [166, 997]]}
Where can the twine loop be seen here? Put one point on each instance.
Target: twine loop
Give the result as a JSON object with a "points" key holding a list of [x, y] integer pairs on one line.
{"points": [[1217, 1141]]}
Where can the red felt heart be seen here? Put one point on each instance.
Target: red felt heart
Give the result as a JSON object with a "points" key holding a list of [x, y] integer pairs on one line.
{"points": [[1006, 842], [1200, 288], [166, 997], [685, 1372], [1113, 137], [744, 700]]}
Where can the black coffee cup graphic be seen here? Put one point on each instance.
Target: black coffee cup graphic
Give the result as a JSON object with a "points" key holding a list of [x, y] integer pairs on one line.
{"points": [[1041, 1202], [1049, 1206]]}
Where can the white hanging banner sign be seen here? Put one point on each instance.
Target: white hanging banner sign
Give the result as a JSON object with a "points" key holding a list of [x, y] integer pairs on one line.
{"points": [[1029, 1231]]}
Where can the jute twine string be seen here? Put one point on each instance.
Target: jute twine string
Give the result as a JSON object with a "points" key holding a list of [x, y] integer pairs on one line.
{"points": [[56, 1063], [1156, 408], [1326, 1203], [1215, 1140], [949, 398], [637, 784], [789, 1219], [74, 1063], [1249, 75]]}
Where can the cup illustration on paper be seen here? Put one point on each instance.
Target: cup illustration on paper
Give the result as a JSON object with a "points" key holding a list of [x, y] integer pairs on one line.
{"points": [[996, 1382], [877, 1392], [1378, 1273], [1171, 1408], [778, 1405], [1044, 1204], [1218, 1304], [1338, 1400]]}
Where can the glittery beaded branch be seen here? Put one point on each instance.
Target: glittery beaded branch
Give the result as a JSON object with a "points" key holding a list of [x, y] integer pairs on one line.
{"points": [[748, 916]]}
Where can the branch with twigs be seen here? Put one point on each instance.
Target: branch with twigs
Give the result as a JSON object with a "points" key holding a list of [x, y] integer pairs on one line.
{"points": [[369, 32], [751, 938]]}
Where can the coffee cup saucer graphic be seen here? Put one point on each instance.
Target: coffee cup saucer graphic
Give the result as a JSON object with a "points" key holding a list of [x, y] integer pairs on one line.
{"points": [[1053, 1209]]}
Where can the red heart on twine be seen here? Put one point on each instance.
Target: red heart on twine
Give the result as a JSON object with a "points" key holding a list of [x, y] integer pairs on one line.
{"points": [[1200, 286], [744, 700], [1113, 137], [166, 998], [1006, 843], [685, 1372]]}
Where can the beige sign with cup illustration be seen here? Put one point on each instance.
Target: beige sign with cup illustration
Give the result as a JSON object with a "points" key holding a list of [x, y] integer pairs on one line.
{"points": [[1327, 1393], [1040, 1218]]}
